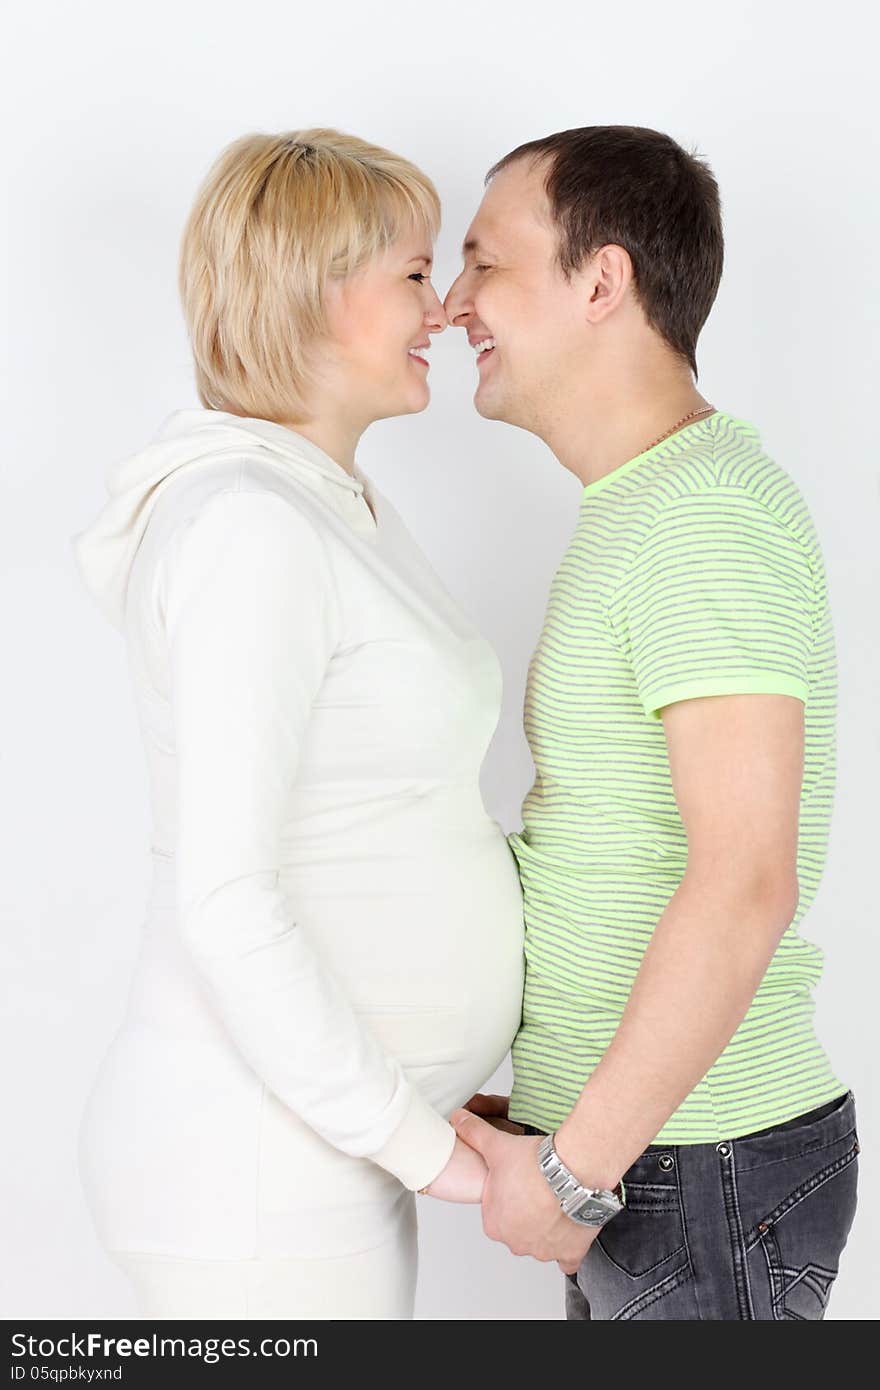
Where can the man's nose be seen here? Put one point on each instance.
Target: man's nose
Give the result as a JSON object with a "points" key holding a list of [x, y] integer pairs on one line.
{"points": [[456, 303]]}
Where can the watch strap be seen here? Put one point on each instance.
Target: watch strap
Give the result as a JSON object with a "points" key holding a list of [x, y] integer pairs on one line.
{"points": [[572, 1194]]}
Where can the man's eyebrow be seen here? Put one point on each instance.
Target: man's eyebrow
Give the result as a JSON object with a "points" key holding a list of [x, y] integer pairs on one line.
{"points": [[479, 248]]}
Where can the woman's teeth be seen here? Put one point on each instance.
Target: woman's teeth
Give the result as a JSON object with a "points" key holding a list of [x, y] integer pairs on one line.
{"points": [[420, 353]]}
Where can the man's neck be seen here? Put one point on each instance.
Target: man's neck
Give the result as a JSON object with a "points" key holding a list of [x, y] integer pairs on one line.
{"points": [[601, 431]]}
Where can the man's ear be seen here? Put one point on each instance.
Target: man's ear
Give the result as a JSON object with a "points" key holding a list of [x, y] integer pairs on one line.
{"points": [[608, 275]]}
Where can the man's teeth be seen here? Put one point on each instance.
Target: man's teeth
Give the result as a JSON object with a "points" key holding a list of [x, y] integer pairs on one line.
{"points": [[484, 345]]}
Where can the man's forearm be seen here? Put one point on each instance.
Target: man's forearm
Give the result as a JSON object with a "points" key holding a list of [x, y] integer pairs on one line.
{"points": [[696, 981]]}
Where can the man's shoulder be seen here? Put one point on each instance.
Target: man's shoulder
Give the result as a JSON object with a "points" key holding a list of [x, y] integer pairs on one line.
{"points": [[732, 466]]}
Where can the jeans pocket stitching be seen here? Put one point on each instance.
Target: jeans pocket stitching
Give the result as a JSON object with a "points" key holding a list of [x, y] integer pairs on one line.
{"points": [[670, 1188], [781, 1282], [800, 1193], [672, 1204], [806, 1276], [653, 1295], [648, 1208], [770, 1247], [642, 1272]]}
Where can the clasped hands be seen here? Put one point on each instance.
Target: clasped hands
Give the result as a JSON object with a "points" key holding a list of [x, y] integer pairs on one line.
{"points": [[496, 1164]]}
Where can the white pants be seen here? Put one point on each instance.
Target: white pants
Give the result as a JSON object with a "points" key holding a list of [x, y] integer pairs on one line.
{"points": [[371, 1284]]}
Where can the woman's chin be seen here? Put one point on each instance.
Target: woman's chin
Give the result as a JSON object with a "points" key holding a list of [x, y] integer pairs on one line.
{"points": [[418, 400], [412, 399]]}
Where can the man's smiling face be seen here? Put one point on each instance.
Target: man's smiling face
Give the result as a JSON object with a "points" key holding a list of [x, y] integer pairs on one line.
{"points": [[512, 295]]}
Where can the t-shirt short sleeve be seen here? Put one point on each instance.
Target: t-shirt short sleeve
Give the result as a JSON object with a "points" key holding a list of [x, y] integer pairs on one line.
{"points": [[718, 600]]}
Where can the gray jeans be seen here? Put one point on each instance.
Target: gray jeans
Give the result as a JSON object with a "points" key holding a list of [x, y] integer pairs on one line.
{"points": [[751, 1228]]}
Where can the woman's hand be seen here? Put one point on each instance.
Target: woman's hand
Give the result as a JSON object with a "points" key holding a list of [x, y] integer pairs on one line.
{"points": [[463, 1177]]}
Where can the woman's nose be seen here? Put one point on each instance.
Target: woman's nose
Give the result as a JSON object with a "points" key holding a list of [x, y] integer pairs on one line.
{"points": [[435, 318]]}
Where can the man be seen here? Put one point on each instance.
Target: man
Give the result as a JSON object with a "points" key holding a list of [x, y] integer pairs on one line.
{"points": [[680, 711]]}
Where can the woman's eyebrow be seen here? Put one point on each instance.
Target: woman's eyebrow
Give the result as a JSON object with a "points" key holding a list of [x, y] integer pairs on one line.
{"points": [[425, 260]]}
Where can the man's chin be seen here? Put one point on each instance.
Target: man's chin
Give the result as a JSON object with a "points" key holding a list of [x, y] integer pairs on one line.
{"points": [[489, 409]]}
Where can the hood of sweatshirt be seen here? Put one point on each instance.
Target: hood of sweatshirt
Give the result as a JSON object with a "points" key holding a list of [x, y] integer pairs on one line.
{"points": [[188, 439]]}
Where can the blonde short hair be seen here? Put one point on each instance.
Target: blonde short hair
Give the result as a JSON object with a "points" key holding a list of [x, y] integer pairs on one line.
{"points": [[275, 217]]}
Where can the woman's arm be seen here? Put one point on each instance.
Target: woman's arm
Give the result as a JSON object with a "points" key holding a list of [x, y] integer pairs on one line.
{"points": [[251, 621]]}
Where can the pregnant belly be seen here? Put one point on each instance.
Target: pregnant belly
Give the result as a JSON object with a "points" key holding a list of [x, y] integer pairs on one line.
{"points": [[431, 959], [435, 967]]}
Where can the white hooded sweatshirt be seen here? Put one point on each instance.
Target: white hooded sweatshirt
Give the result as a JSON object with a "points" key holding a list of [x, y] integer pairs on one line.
{"points": [[332, 956]]}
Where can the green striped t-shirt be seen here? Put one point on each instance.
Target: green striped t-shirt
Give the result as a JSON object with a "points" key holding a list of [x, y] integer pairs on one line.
{"points": [[694, 569]]}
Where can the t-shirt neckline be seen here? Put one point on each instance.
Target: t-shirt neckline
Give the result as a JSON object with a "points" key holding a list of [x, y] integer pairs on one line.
{"points": [[668, 447]]}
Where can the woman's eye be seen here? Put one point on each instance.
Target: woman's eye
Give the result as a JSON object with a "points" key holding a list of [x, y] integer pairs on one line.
{"points": [[420, 276]]}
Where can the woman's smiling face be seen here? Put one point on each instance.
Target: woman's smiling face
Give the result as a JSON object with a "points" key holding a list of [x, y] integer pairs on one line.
{"points": [[380, 320]]}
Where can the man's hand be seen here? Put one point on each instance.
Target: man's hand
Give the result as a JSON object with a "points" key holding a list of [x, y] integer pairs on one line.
{"points": [[518, 1207], [493, 1109]]}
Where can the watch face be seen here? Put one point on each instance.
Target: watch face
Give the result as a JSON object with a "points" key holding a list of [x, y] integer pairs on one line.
{"points": [[594, 1211]]}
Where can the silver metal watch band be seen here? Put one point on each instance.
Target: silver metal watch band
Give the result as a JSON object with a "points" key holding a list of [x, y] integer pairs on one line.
{"points": [[588, 1206]]}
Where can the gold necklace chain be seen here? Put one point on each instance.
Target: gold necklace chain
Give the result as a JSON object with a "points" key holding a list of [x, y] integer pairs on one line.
{"points": [[683, 421]]}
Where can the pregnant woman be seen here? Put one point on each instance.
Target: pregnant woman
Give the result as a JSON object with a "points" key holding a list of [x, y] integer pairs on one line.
{"points": [[332, 956]]}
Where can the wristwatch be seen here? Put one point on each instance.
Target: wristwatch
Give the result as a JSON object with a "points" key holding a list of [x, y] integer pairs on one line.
{"points": [[589, 1206]]}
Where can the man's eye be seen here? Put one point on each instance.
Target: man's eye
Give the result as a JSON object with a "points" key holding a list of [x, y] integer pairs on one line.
{"points": [[482, 267], [420, 276]]}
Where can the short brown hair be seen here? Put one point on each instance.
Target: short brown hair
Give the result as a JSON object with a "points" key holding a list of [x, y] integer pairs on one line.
{"points": [[636, 188]]}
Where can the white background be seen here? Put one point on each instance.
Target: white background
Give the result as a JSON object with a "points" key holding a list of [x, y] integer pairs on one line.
{"points": [[113, 114]]}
